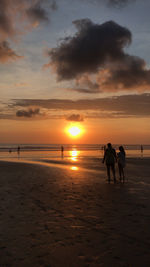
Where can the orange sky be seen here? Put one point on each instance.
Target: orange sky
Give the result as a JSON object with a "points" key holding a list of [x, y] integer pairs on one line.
{"points": [[125, 131]]}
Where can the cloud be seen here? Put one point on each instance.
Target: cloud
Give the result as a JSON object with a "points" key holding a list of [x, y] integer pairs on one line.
{"points": [[119, 3], [28, 113], [91, 47], [98, 49], [122, 106], [129, 73], [6, 23], [37, 14], [75, 117], [125, 106], [85, 84], [6, 53], [40, 11], [16, 13], [112, 3], [19, 16]]}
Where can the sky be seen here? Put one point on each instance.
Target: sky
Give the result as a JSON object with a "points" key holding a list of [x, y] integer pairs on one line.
{"points": [[83, 63]]}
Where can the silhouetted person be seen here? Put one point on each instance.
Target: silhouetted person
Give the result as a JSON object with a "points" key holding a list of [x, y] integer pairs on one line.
{"points": [[62, 151], [141, 151], [18, 150], [10, 150], [121, 156], [110, 159]]}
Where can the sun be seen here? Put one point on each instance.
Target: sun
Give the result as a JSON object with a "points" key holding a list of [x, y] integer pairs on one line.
{"points": [[74, 131]]}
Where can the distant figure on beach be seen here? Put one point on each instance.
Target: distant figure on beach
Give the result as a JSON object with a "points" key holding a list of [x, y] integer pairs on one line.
{"points": [[141, 150], [10, 150], [18, 150], [62, 151], [121, 158], [110, 158]]}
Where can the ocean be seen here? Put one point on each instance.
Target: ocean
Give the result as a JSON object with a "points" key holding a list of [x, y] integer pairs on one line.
{"points": [[53, 151]]}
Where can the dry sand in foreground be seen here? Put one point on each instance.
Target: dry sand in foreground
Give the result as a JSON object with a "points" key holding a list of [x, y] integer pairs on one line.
{"points": [[52, 216]]}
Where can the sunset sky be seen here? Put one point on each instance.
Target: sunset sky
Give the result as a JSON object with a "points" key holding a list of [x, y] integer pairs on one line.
{"points": [[83, 63]]}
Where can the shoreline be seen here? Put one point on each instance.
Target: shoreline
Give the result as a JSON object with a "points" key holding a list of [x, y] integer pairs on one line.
{"points": [[53, 216]]}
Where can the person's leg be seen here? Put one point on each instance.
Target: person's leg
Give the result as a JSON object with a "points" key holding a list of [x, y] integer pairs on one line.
{"points": [[123, 174], [108, 172], [113, 171], [119, 168]]}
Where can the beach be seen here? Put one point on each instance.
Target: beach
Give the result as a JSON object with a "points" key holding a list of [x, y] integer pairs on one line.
{"points": [[65, 215]]}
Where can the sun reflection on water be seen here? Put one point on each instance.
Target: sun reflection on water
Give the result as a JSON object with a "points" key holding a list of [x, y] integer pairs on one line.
{"points": [[74, 168], [74, 155]]}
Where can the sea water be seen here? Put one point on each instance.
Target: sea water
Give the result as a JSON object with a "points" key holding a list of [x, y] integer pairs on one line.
{"points": [[53, 151]]}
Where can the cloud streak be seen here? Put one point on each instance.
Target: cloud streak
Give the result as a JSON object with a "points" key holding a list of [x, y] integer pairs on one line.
{"points": [[28, 113], [112, 3], [75, 117], [6, 53], [122, 106], [118, 3]]}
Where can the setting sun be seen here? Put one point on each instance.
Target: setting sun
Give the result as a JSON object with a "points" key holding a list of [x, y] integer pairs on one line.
{"points": [[74, 131]]}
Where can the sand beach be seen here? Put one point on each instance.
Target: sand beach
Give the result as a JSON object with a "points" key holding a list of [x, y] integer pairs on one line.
{"points": [[54, 215]]}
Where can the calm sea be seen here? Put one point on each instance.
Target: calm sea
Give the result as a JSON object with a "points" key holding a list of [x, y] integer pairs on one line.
{"points": [[51, 151]]}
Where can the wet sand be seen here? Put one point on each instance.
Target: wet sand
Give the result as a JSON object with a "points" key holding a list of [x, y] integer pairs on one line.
{"points": [[51, 216]]}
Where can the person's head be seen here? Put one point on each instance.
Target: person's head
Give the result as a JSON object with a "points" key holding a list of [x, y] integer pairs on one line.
{"points": [[109, 145], [121, 149]]}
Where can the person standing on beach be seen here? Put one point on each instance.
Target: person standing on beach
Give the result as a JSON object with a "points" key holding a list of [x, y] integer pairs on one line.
{"points": [[62, 151], [110, 158], [141, 151], [121, 157], [18, 150]]}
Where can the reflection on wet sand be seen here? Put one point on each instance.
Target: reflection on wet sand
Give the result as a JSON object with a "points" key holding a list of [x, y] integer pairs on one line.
{"points": [[74, 157]]}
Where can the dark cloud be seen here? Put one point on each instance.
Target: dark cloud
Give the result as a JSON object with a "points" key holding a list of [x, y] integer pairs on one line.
{"points": [[119, 3], [40, 11], [6, 53], [75, 117], [131, 72], [28, 113], [99, 50], [112, 3], [91, 47], [53, 5], [123, 106], [37, 14]]}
